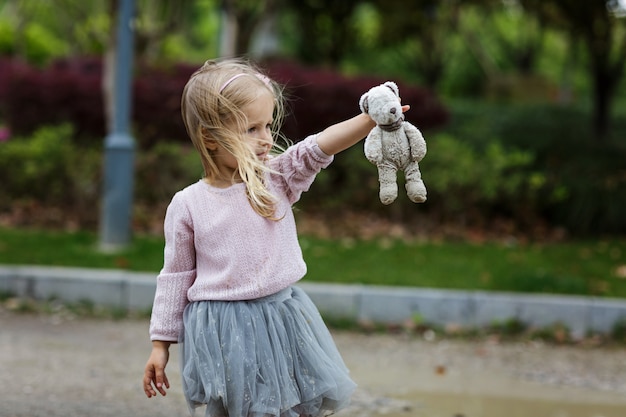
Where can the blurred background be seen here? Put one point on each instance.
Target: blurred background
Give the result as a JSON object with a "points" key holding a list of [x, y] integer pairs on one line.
{"points": [[522, 104]]}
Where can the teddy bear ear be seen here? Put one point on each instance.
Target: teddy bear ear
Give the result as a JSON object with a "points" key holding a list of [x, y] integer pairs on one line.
{"points": [[393, 87], [363, 104]]}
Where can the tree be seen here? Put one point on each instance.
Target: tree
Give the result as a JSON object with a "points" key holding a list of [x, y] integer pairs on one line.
{"points": [[324, 29], [240, 20], [517, 36], [426, 24], [603, 33]]}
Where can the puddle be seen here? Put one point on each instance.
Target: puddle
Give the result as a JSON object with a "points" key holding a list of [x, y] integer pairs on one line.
{"points": [[465, 405], [482, 379]]}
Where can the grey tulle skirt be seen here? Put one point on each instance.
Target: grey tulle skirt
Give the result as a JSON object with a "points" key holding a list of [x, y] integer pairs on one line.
{"points": [[272, 356]]}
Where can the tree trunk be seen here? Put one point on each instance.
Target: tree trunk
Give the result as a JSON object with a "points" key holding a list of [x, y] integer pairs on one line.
{"points": [[228, 33], [601, 108]]}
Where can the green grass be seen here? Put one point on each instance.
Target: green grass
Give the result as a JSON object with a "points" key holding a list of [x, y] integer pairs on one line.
{"points": [[577, 267], [78, 249], [588, 268]]}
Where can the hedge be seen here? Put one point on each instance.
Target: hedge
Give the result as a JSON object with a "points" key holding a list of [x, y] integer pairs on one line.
{"points": [[70, 90]]}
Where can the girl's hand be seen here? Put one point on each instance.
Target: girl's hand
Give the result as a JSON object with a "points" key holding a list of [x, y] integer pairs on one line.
{"points": [[405, 108], [154, 377]]}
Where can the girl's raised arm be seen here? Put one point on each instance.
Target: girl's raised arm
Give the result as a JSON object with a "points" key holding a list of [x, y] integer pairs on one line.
{"points": [[343, 135]]}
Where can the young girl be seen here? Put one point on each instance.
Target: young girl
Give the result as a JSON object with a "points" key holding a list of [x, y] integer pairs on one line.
{"points": [[252, 345]]}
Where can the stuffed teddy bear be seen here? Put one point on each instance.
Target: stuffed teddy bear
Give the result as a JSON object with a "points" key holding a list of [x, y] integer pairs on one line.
{"points": [[393, 144]]}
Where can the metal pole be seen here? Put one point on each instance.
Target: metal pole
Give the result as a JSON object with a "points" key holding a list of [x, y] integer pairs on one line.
{"points": [[119, 146]]}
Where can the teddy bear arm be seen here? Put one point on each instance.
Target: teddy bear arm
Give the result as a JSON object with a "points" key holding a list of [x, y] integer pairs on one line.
{"points": [[416, 142], [373, 147]]}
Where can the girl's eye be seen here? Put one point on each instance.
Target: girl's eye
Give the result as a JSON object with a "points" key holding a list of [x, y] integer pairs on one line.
{"points": [[252, 130]]}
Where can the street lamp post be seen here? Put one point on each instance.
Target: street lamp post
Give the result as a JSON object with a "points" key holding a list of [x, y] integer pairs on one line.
{"points": [[119, 146]]}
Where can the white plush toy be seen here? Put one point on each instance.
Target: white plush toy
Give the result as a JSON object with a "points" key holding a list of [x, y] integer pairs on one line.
{"points": [[393, 144]]}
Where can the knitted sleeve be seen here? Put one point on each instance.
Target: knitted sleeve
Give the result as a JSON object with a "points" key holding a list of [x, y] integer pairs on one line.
{"points": [[177, 275], [299, 165]]}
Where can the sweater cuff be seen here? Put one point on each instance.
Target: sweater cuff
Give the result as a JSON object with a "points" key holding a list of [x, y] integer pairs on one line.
{"points": [[316, 148]]}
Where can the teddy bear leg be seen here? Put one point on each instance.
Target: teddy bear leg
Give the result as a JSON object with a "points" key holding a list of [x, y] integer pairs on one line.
{"points": [[415, 188], [388, 185]]}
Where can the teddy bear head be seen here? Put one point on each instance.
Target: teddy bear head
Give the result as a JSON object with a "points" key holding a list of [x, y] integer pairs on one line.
{"points": [[382, 103]]}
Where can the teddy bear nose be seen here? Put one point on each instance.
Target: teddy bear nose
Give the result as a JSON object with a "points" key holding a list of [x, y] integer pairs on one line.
{"points": [[393, 110]]}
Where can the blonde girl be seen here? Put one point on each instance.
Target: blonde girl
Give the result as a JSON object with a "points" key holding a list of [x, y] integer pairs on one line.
{"points": [[252, 344]]}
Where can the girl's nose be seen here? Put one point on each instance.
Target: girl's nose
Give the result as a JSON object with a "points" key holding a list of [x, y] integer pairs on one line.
{"points": [[266, 137]]}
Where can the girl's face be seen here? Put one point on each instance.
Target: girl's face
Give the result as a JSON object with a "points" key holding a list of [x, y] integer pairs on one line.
{"points": [[258, 136]]}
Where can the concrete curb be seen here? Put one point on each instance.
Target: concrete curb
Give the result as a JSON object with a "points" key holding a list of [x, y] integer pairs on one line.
{"points": [[135, 291]]}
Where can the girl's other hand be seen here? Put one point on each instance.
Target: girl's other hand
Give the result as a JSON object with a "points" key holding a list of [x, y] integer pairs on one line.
{"points": [[154, 377]]}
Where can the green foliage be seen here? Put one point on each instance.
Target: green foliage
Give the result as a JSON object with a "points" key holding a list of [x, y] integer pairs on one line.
{"points": [[90, 35], [37, 43], [555, 333], [41, 44], [165, 169], [37, 167], [48, 169], [366, 23], [463, 77], [7, 37], [618, 332], [542, 169], [321, 29], [508, 328], [465, 176], [581, 184], [463, 181]]}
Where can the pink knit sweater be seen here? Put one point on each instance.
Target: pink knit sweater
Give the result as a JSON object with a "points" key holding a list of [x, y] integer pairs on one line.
{"points": [[218, 248]]}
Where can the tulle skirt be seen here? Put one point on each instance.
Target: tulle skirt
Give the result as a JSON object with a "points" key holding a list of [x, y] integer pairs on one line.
{"points": [[270, 357]]}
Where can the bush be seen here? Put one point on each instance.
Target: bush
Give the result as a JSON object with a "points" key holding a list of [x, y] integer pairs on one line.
{"points": [[583, 183], [156, 105], [480, 184], [48, 180], [320, 98], [36, 167], [159, 174], [164, 170], [466, 186], [528, 164], [70, 91]]}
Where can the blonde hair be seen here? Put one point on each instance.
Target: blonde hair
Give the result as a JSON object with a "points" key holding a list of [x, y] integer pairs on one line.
{"points": [[211, 109]]}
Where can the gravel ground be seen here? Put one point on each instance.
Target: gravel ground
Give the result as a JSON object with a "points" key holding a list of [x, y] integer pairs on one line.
{"points": [[63, 366]]}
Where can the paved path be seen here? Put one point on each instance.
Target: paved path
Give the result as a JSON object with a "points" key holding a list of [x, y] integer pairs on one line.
{"points": [[57, 365]]}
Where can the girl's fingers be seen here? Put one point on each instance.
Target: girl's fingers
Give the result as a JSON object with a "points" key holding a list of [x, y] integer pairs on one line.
{"points": [[147, 387], [161, 381], [154, 378]]}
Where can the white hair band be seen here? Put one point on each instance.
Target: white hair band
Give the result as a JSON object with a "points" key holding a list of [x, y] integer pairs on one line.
{"points": [[234, 77]]}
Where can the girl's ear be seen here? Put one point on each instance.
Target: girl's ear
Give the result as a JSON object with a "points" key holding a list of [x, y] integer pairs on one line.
{"points": [[209, 142]]}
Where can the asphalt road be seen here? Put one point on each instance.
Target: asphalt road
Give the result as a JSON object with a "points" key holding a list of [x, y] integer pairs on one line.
{"points": [[58, 365]]}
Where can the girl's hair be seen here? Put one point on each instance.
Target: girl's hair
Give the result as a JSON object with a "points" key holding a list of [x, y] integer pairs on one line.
{"points": [[211, 108]]}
